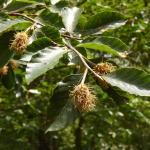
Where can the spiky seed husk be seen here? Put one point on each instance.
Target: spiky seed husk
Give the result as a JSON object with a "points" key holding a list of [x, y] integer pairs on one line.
{"points": [[20, 42], [83, 98], [103, 69], [13, 64], [4, 70]]}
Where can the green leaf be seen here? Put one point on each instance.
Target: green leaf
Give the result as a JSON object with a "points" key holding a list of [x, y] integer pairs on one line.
{"points": [[46, 59], [120, 97], [72, 42], [101, 22], [70, 17], [5, 53], [3, 16], [61, 111], [89, 55], [35, 47], [131, 80], [47, 2], [38, 2], [73, 57], [1, 2], [81, 23], [52, 33], [8, 80], [58, 7], [107, 44], [48, 18], [16, 5], [21, 26], [4, 25], [36, 34]]}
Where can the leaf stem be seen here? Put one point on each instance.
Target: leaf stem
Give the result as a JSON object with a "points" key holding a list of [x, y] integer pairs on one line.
{"points": [[84, 76], [17, 14], [82, 59], [90, 62], [31, 27], [71, 37]]}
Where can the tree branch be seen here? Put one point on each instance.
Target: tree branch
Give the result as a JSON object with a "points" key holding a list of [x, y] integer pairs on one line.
{"points": [[69, 46], [17, 14], [32, 15], [85, 64], [71, 37], [31, 27], [1, 9]]}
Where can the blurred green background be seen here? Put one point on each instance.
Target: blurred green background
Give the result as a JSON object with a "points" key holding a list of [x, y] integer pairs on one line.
{"points": [[108, 126]]}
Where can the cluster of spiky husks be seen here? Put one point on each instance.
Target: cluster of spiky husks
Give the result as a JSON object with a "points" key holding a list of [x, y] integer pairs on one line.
{"points": [[13, 64], [20, 42], [83, 98], [4, 70], [102, 69]]}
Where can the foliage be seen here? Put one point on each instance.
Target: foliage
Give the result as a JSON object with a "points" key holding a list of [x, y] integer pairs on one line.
{"points": [[69, 39]]}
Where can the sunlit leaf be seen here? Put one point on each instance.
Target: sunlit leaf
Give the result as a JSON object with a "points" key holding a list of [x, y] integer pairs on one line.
{"points": [[54, 1], [70, 17], [16, 5], [58, 7], [130, 79], [49, 18], [81, 23], [107, 44], [21, 26], [45, 60], [35, 47], [72, 56], [52, 33], [38, 2], [36, 34], [4, 25], [102, 21]]}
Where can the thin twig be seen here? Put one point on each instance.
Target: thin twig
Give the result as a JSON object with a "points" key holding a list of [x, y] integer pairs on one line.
{"points": [[31, 27], [17, 14], [90, 62], [1, 9], [85, 64], [35, 15], [84, 76], [71, 37]]}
